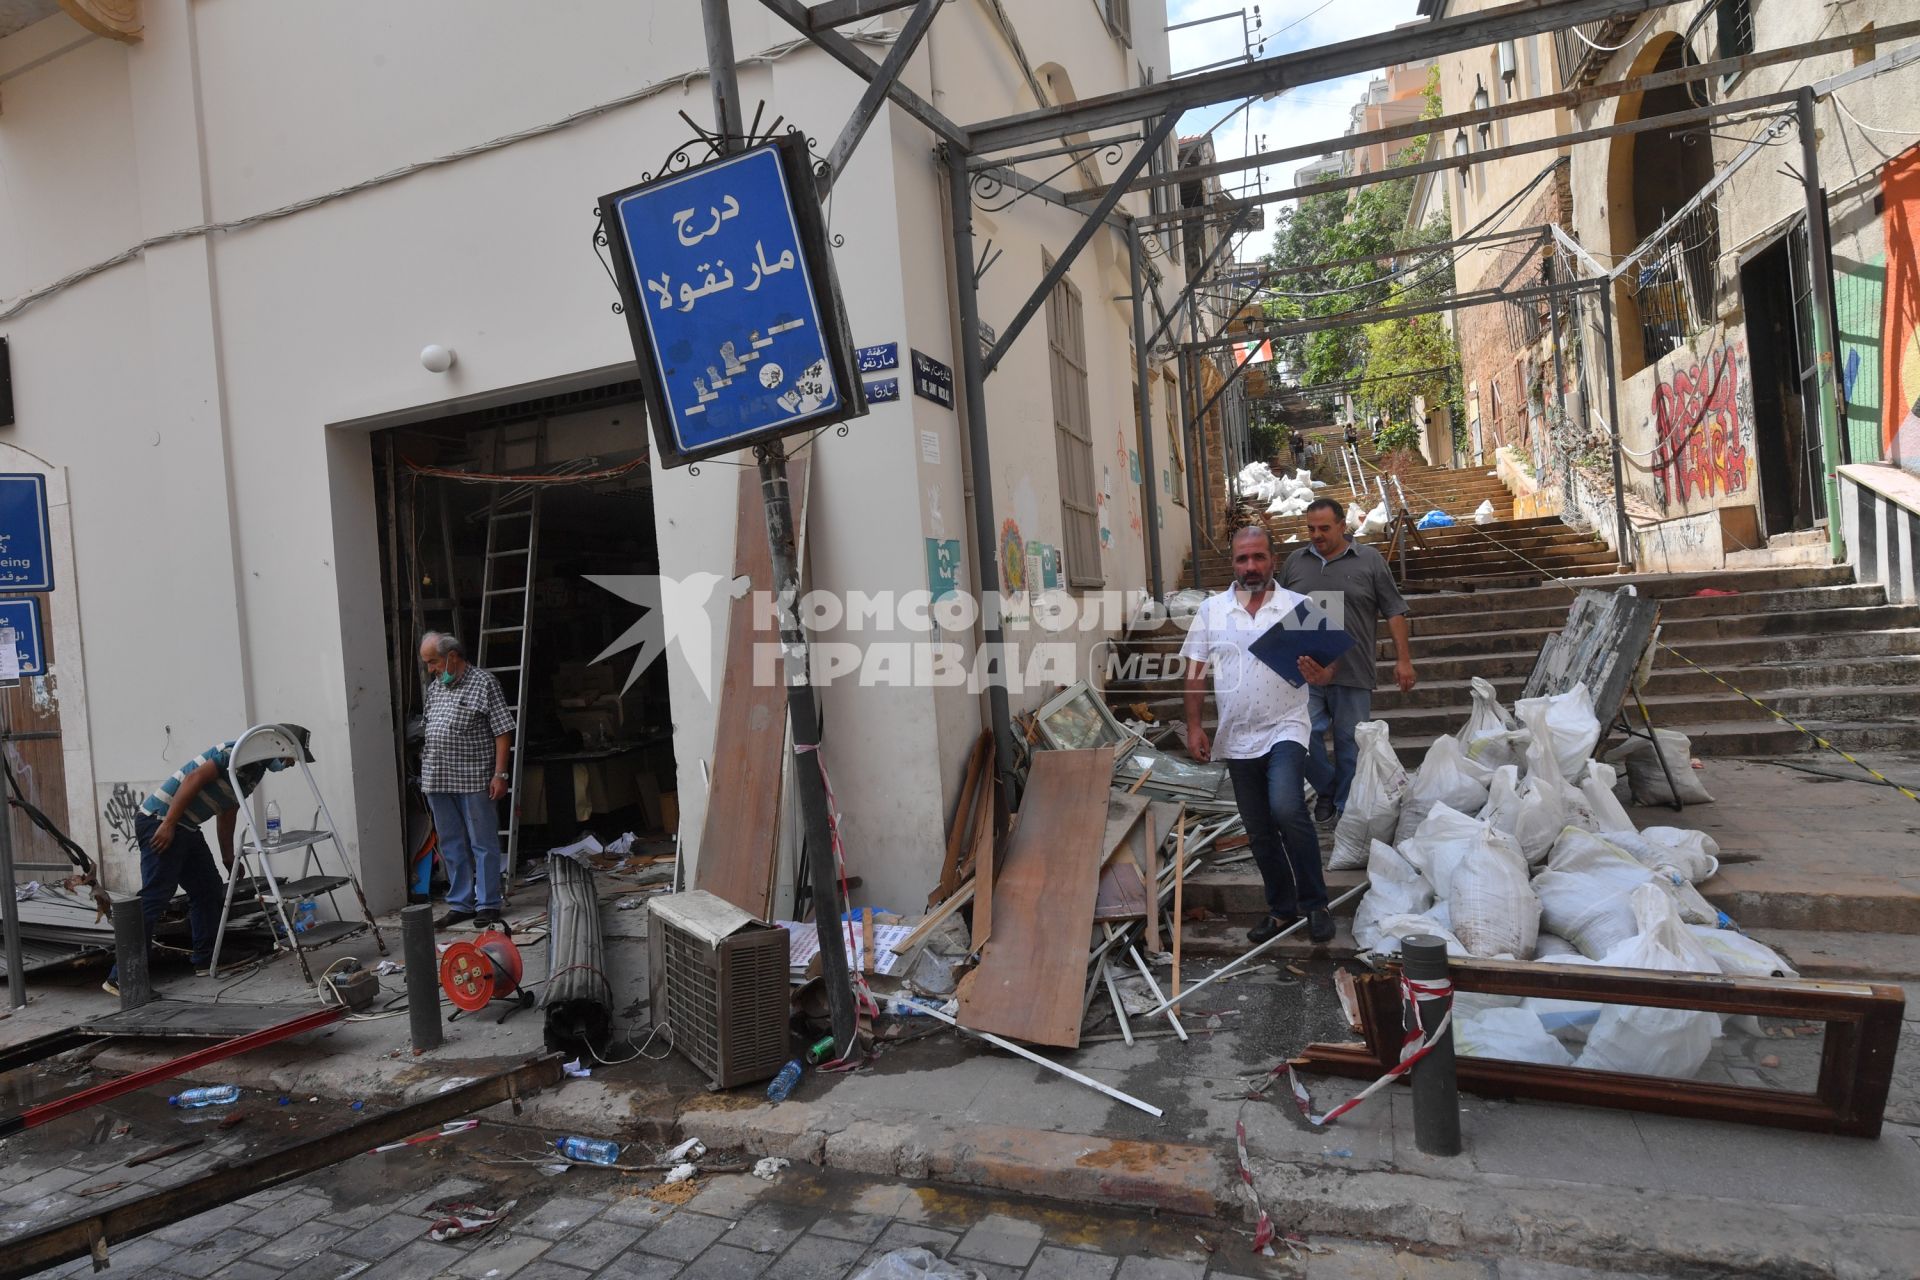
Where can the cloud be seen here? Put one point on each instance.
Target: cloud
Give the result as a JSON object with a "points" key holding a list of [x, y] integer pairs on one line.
{"points": [[1301, 115]]}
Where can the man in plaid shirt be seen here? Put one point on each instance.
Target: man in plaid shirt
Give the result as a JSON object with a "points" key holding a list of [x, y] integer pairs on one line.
{"points": [[463, 771]]}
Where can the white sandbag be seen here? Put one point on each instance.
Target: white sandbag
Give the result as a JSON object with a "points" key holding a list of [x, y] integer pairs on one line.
{"points": [[1596, 786], [1488, 737], [1483, 514], [1394, 888], [1439, 844], [1551, 946], [1493, 908], [1511, 1035], [1584, 892], [1692, 855], [1646, 1041], [1373, 800], [1375, 522], [1394, 929], [1532, 812], [1649, 781], [1446, 777], [1565, 724], [1741, 956]]}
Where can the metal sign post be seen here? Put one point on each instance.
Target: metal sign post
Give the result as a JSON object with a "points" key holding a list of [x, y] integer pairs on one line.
{"points": [[26, 564]]}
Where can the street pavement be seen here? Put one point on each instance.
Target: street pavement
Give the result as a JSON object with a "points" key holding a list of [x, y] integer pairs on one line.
{"points": [[368, 1218]]}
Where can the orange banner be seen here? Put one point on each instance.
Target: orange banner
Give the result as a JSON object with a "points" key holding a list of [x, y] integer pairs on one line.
{"points": [[1900, 188]]}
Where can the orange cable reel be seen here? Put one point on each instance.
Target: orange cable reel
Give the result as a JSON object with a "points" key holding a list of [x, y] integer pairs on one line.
{"points": [[476, 972]]}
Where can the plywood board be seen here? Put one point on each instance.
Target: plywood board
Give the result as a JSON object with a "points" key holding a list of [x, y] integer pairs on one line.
{"points": [[1029, 981], [1123, 894], [739, 841]]}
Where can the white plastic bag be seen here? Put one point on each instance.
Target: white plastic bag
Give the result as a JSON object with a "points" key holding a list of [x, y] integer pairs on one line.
{"points": [[1394, 888], [1551, 946], [1488, 736], [1373, 801], [1375, 522], [1565, 724], [1692, 855], [1646, 1041], [1532, 812], [1437, 847], [1584, 892], [916, 1264], [1741, 956], [1483, 514], [1394, 929], [1446, 777], [1596, 787], [1649, 781], [1492, 907], [1512, 1035]]}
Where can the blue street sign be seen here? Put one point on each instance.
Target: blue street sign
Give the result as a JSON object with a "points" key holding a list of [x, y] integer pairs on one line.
{"points": [[22, 618], [727, 284], [932, 380], [884, 391], [873, 359], [26, 545]]}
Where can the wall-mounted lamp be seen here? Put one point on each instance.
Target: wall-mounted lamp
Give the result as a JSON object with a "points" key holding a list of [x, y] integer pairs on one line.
{"points": [[435, 358], [1460, 150], [1509, 64], [1480, 103]]}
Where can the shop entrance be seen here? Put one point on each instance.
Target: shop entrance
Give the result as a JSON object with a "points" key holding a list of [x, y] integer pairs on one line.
{"points": [[521, 530]]}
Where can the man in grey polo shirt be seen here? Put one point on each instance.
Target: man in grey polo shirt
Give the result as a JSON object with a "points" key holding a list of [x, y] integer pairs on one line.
{"points": [[1341, 574]]}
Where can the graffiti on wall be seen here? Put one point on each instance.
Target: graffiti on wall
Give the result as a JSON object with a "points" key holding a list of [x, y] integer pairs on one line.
{"points": [[1900, 403], [1700, 434], [118, 814]]}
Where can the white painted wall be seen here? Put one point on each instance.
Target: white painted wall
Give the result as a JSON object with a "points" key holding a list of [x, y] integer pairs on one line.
{"points": [[210, 401]]}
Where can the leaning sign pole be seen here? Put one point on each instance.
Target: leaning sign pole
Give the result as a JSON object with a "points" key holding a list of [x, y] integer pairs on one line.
{"points": [[726, 280]]}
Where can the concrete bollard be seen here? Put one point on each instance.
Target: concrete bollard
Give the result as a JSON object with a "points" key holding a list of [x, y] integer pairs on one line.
{"points": [[130, 952], [423, 976], [1436, 1096]]}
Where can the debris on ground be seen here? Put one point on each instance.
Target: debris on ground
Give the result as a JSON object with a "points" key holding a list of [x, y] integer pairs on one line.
{"points": [[465, 1219]]}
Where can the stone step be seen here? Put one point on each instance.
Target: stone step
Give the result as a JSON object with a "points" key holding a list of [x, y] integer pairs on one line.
{"points": [[1757, 679], [1838, 954], [1677, 711]]}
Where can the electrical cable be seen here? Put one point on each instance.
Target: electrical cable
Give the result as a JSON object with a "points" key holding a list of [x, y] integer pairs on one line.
{"points": [[1859, 124], [1615, 48]]}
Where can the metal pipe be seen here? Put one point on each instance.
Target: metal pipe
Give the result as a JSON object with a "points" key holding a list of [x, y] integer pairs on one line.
{"points": [[10, 908], [876, 91], [1826, 362], [1436, 1095], [423, 991], [130, 956], [803, 715], [1559, 365], [1188, 437], [1233, 966], [1155, 583], [986, 554], [1623, 531]]}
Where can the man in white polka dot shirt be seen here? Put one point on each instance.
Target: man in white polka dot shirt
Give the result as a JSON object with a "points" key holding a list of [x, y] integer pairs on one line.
{"points": [[1262, 734]]}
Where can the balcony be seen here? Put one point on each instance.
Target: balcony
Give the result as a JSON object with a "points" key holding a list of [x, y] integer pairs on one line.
{"points": [[1580, 62]]}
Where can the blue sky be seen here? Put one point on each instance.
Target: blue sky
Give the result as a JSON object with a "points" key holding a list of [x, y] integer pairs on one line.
{"points": [[1302, 115]]}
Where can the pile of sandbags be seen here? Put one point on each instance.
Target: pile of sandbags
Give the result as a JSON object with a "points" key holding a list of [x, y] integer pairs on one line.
{"points": [[1510, 842]]}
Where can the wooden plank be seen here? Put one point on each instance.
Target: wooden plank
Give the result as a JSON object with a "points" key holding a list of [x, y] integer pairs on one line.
{"points": [[961, 897], [1028, 984], [965, 813], [1122, 893], [1179, 898], [740, 838], [982, 858], [1161, 815]]}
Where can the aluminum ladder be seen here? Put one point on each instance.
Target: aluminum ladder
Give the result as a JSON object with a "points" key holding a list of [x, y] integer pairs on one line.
{"points": [[254, 857], [506, 615]]}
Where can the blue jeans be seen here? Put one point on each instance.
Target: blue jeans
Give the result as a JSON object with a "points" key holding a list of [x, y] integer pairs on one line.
{"points": [[469, 829], [1272, 802], [1339, 707], [187, 864]]}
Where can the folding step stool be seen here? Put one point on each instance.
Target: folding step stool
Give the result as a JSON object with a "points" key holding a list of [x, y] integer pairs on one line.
{"points": [[253, 858]]}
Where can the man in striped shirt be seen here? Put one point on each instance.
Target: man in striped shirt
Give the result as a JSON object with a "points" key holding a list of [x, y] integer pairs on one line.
{"points": [[173, 852]]}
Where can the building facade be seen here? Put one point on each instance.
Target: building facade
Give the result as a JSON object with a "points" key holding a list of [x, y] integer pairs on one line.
{"points": [[230, 234]]}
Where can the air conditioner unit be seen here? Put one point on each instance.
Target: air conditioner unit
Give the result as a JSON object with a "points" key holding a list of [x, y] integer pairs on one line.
{"points": [[718, 982]]}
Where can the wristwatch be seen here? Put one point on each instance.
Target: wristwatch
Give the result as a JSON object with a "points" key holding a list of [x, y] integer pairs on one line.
{"points": [[504, 777]]}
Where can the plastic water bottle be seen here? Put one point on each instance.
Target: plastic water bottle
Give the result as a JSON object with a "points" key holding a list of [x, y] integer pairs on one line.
{"points": [[783, 1083], [213, 1095], [591, 1150], [273, 822]]}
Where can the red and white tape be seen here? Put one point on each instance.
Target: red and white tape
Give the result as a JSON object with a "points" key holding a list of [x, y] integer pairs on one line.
{"points": [[1417, 1044]]}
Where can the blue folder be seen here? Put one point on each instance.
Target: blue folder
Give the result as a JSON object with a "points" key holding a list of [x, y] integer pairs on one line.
{"points": [[1307, 632]]}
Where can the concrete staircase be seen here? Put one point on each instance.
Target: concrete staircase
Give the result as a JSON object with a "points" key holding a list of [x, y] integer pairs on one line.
{"points": [[1831, 654], [1505, 552]]}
